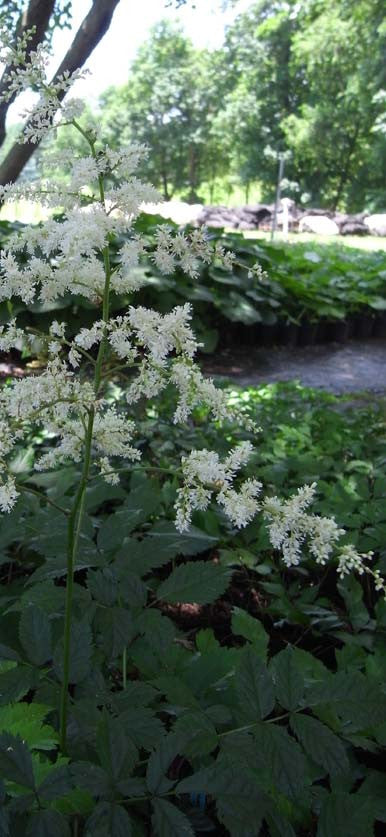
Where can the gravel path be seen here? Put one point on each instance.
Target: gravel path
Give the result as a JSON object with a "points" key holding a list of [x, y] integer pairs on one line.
{"points": [[351, 367]]}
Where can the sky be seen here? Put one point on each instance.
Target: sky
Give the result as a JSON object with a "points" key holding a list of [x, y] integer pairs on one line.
{"points": [[204, 22]]}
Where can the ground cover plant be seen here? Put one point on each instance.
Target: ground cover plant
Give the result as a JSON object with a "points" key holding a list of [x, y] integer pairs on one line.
{"points": [[114, 719]]}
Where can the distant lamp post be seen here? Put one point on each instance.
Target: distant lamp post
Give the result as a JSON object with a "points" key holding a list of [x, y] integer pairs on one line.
{"points": [[286, 203], [281, 158]]}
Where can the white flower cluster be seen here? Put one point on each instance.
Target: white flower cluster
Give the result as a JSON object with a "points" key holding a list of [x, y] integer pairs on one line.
{"points": [[291, 526], [204, 475]]}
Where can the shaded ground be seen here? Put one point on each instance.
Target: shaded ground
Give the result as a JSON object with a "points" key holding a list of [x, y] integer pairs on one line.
{"points": [[352, 367]]}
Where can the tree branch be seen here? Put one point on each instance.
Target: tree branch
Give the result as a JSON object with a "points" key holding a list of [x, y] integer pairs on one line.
{"points": [[90, 32], [37, 15]]}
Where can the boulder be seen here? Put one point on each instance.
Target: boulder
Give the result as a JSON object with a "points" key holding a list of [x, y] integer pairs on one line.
{"points": [[376, 223], [319, 224]]}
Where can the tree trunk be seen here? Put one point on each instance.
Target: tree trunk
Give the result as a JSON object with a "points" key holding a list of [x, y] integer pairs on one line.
{"points": [[37, 15], [345, 169], [90, 32]]}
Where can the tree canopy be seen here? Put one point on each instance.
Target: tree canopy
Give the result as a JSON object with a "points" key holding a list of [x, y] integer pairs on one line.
{"points": [[300, 78]]}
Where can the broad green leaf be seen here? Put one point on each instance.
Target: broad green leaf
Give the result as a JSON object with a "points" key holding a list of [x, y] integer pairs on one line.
{"points": [[252, 629], [254, 687], [320, 744], [80, 652], [47, 824], [200, 582], [169, 821], [287, 680], [35, 635], [15, 761]]}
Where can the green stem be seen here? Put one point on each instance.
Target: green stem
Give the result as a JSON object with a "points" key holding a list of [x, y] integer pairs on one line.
{"points": [[76, 514], [124, 668]]}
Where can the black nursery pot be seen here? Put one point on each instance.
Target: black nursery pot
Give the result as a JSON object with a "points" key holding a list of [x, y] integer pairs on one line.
{"points": [[287, 334], [379, 327], [363, 326], [308, 334], [337, 331], [267, 334]]}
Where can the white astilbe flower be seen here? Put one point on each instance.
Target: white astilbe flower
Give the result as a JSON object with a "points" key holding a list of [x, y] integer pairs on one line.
{"points": [[291, 526], [107, 471], [129, 196], [204, 475], [11, 336], [54, 392], [149, 382], [88, 337], [160, 335], [123, 162], [195, 390], [129, 277], [112, 436], [8, 494]]}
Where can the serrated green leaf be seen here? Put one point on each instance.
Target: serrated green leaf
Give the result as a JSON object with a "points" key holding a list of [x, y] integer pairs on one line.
{"points": [[108, 820], [199, 734], [80, 652], [169, 821], [90, 777], [116, 629], [7, 653], [346, 813], [15, 761], [320, 744], [15, 683], [26, 720], [199, 582], [170, 543], [251, 629], [116, 528], [282, 762], [103, 586], [117, 754], [57, 783], [287, 680], [239, 802], [35, 635], [47, 824], [142, 726], [159, 763], [254, 687]]}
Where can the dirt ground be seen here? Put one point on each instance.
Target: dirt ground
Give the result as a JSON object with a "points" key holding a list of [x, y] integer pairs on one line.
{"points": [[352, 367]]}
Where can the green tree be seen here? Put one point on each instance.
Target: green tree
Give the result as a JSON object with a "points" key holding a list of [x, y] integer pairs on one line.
{"points": [[169, 103]]}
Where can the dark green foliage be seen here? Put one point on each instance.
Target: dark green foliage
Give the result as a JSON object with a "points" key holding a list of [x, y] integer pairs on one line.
{"points": [[268, 708]]}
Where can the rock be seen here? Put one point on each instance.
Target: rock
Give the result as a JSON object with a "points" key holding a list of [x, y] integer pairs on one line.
{"points": [[354, 228], [319, 224], [178, 211], [376, 223]]}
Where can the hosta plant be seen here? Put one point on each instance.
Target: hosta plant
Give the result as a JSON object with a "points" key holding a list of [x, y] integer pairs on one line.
{"points": [[131, 722]]}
